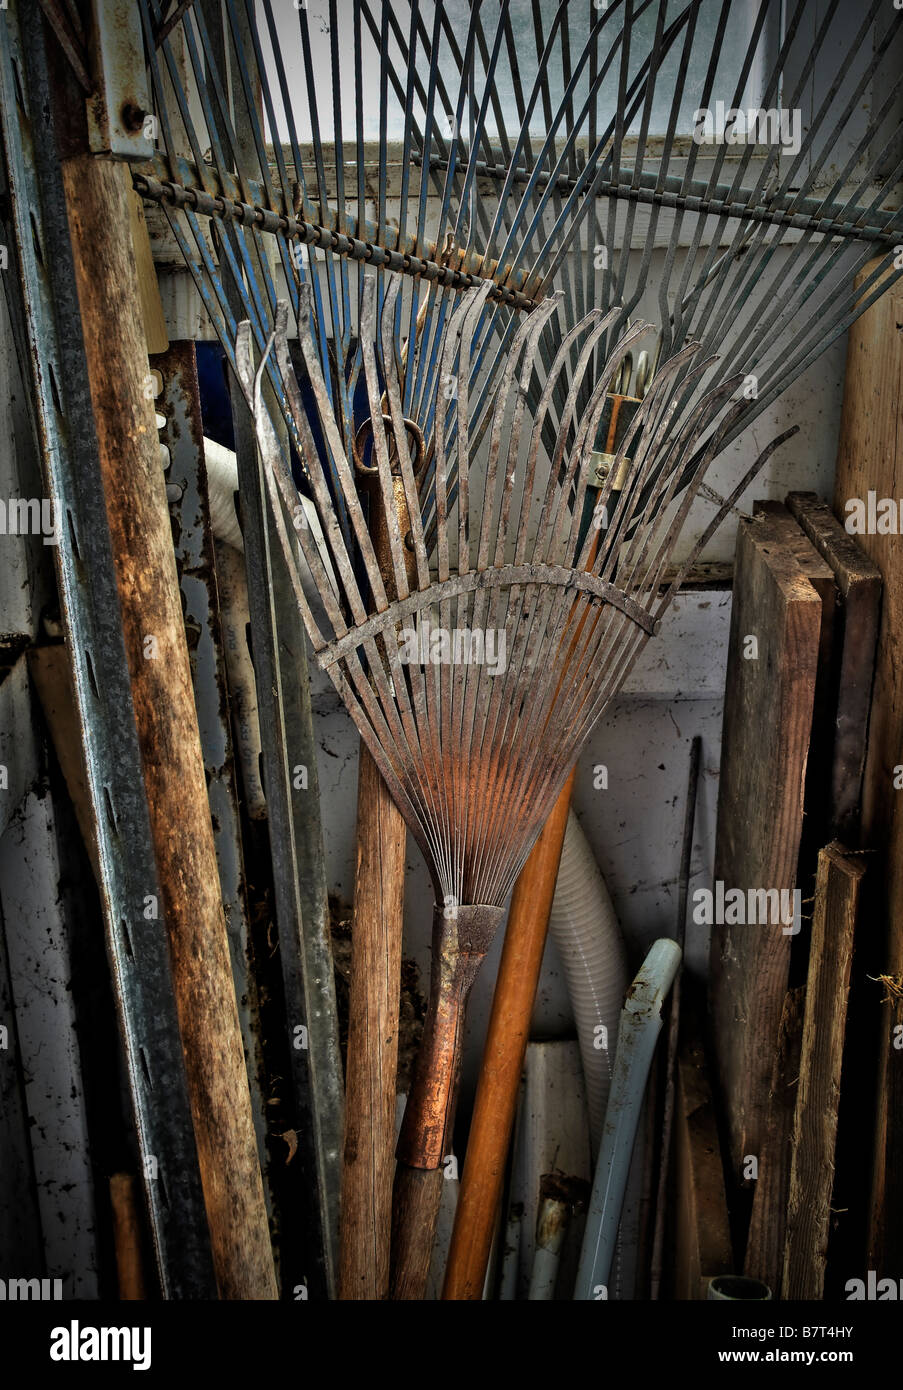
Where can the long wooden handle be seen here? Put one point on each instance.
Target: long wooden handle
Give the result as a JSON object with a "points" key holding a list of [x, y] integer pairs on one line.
{"points": [[415, 1211], [370, 1072], [374, 1004], [460, 942], [427, 1122], [166, 720], [426, 1127], [503, 1059]]}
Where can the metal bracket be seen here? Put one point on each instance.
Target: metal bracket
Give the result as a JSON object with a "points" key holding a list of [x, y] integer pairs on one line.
{"points": [[120, 119]]}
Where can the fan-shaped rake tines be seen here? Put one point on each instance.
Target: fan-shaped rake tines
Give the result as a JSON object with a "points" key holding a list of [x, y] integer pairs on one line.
{"points": [[476, 652]]}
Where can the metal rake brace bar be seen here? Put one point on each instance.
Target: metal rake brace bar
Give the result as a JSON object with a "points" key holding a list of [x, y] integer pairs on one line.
{"points": [[697, 196], [809, 216], [521, 575], [312, 234]]}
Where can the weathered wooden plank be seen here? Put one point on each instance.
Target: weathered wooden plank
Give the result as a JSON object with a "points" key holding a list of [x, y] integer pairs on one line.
{"points": [[818, 1091], [700, 1238], [773, 652], [764, 1256], [859, 585], [870, 459], [816, 829]]}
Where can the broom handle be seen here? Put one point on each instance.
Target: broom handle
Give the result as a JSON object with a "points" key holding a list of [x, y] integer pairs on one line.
{"points": [[503, 1059]]}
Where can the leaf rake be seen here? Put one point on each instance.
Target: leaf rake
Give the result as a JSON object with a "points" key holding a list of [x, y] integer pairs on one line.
{"points": [[534, 557]]}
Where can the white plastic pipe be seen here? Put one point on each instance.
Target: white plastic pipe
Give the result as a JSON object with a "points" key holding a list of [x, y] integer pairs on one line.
{"points": [[551, 1229], [222, 485], [588, 939]]}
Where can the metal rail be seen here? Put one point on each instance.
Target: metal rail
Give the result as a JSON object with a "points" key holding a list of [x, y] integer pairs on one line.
{"points": [[45, 314]]}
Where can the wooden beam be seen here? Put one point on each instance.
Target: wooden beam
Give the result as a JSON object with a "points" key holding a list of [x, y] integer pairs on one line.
{"points": [[859, 584], [764, 1255], [97, 202], [818, 1091], [870, 459], [816, 827], [772, 659], [700, 1229]]}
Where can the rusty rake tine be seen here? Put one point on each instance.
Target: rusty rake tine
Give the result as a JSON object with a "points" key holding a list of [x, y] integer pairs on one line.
{"points": [[699, 419], [711, 406], [520, 405], [576, 474], [396, 722], [449, 677], [505, 605], [437, 688], [598, 323], [417, 684], [550, 514], [440, 480], [270, 443], [728, 504], [251, 382], [524, 340], [657, 393], [393, 779], [655, 446], [268, 446], [462, 416]]}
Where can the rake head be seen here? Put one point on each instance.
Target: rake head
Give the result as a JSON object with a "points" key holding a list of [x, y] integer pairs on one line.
{"points": [[477, 629], [534, 145], [481, 628]]}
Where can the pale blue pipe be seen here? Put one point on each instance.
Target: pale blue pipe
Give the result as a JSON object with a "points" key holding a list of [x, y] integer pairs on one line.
{"points": [[638, 1030]]}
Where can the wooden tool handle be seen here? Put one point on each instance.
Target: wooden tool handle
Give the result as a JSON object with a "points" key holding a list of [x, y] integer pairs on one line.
{"points": [[427, 1120], [503, 1059], [369, 1157], [460, 941], [428, 1113], [415, 1210]]}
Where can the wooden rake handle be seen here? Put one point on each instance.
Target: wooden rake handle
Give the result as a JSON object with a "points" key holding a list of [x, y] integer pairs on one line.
{"points": [[503, 1059], [460, 942]]}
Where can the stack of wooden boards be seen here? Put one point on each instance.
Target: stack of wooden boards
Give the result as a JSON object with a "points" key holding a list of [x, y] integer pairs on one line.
{"points": [[803, 627], [805, 1069]]}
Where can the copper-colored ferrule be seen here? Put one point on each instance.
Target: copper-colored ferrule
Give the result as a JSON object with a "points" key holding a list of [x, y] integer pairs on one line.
{"points": [[460, 942]]}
